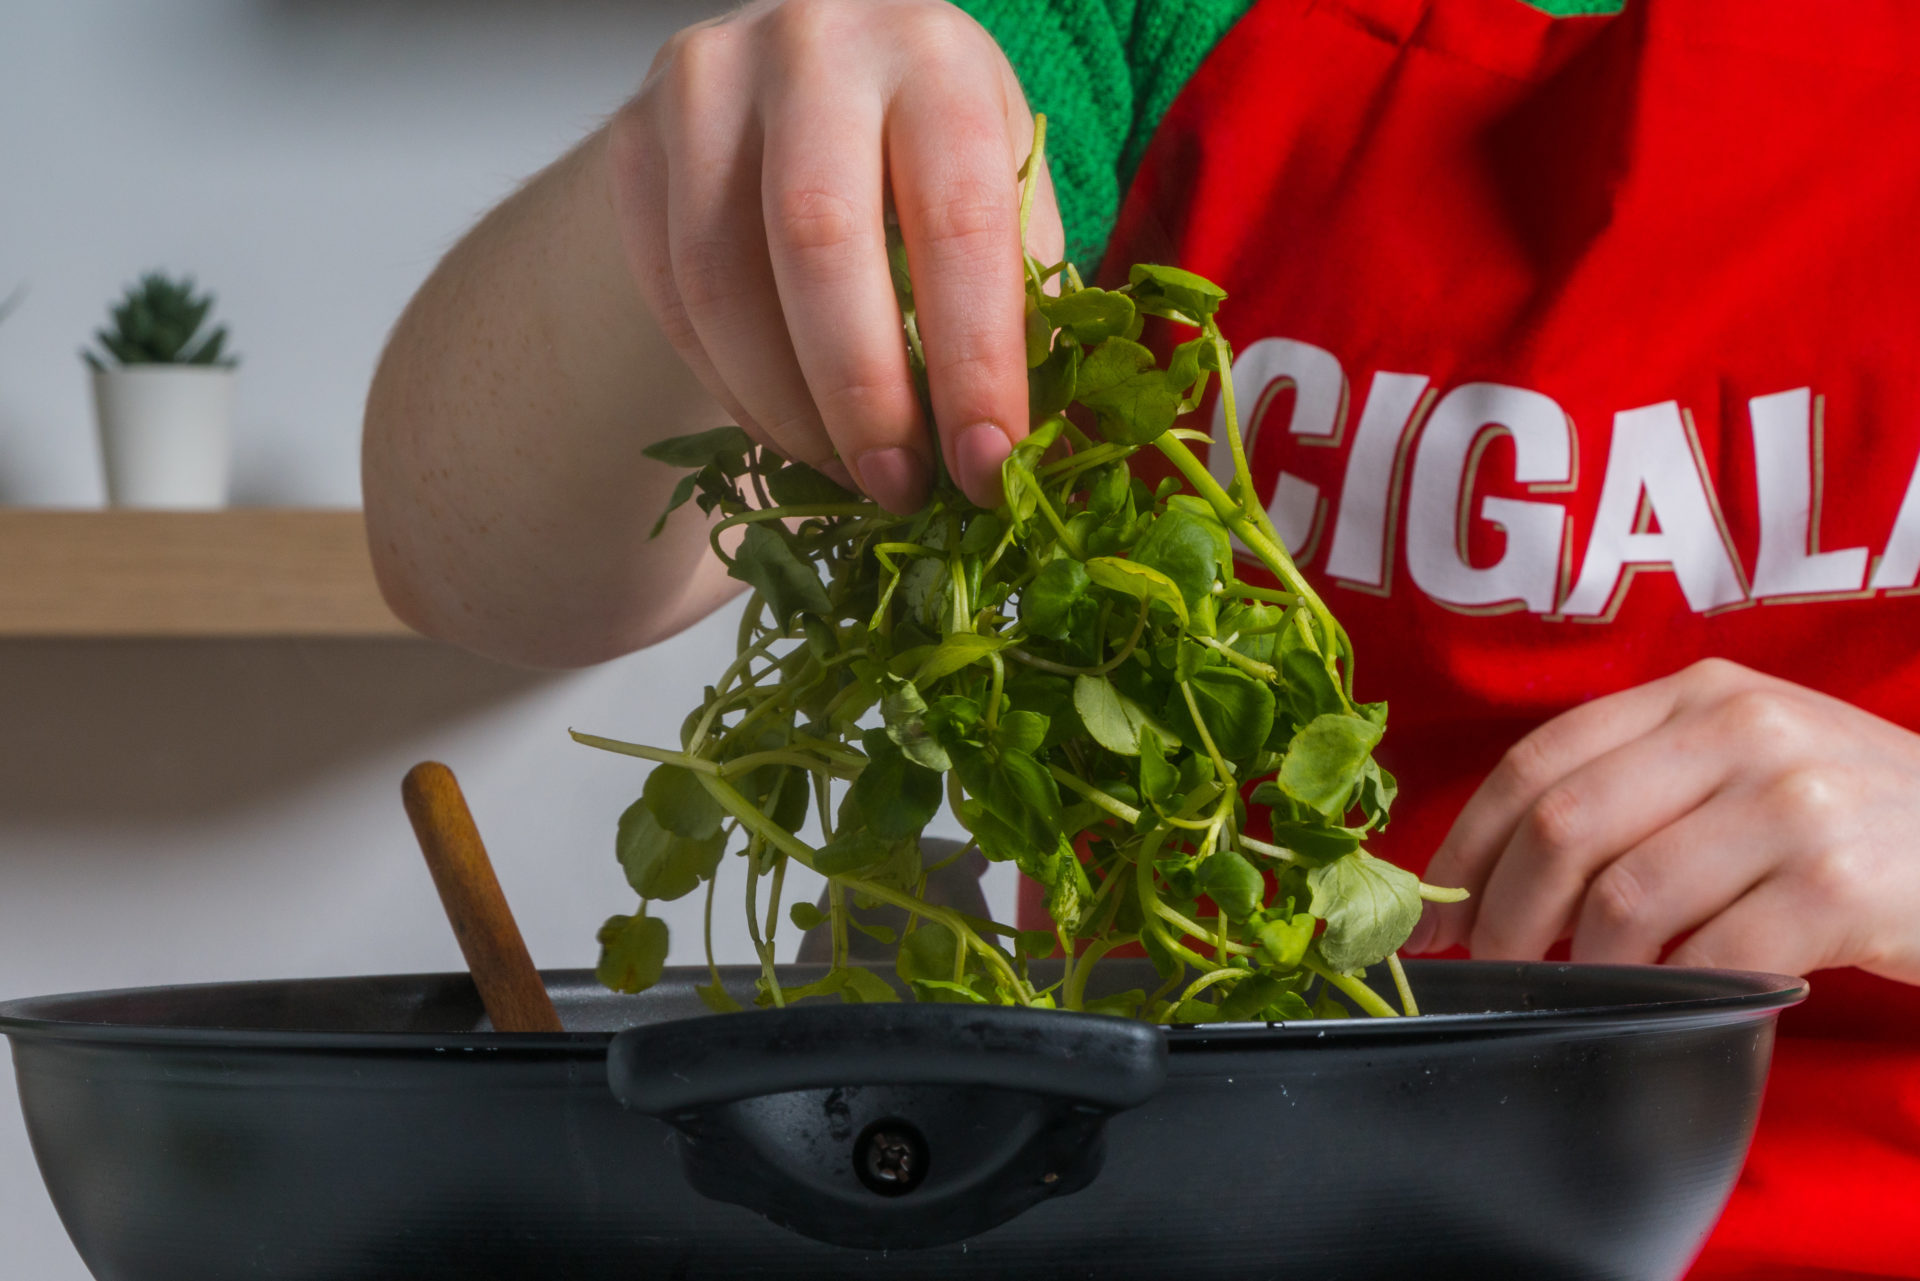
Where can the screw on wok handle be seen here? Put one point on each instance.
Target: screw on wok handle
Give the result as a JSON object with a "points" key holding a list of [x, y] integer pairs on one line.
{"points": [[510, 987]]}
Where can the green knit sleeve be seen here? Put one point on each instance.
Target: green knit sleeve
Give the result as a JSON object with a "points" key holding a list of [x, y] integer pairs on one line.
{"points": [[1104, 72]]}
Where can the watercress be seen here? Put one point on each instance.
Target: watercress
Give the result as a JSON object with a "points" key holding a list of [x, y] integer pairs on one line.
{"points": [[1081, 675]]}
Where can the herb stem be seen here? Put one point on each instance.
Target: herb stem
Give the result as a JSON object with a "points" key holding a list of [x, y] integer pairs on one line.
{"points": [[1111, 804], [954, 922], [1399, 972], [1206, 981], [1362, 995]]}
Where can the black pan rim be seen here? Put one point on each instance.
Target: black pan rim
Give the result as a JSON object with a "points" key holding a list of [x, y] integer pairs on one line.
{"points": [[1757, 995]]}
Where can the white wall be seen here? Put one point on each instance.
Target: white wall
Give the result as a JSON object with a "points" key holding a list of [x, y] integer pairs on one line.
{"points": [[195, 811]]}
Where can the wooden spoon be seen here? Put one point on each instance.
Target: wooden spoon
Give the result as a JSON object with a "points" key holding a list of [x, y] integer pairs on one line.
{"points": [[510, 987]]}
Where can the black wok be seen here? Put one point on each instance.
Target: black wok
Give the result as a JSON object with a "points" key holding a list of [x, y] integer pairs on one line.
{"points": [[1541, 1122]]}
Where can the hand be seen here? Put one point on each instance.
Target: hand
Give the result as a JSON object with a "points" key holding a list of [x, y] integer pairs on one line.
{"points": [[1780, 826], [750, 179]]}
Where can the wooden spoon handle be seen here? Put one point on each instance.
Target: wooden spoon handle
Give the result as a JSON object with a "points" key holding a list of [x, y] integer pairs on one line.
{"points": [[510, 987]]}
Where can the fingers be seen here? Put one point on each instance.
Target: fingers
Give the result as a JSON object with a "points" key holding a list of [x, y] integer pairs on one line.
{"points": [[752, 194], [1766, 929], [1580, 824], [823, 195], [639, 194], [1486, 826], [718, 247], [959, 210], [1676, 880]]}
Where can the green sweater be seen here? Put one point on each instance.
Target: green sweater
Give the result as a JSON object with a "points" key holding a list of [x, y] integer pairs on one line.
{"points": [[1105, 72]]}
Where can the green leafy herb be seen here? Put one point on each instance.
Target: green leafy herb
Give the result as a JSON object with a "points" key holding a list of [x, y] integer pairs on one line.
{"points": [[633, 951], [161, 322], [1081, 675]]}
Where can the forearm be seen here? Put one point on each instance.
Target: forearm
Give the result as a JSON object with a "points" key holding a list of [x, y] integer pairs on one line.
{"points": [[508, 503]]}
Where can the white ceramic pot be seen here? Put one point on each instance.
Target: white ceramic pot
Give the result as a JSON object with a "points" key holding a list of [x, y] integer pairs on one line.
{"points": [[166, 434]]}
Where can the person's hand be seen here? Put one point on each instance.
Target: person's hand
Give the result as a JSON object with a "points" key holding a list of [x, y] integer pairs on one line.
{"points": [[1780, 826], [750, 178]]}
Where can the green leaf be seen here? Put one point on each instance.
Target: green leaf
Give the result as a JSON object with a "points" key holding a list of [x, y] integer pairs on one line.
{"points": [[1110, 364], [1237, 708], [727, 446], [1307, 687], [1288, 1007], [878, 933], [805, 915], [680, 804], [1114, 720], [1313, 842], [1020, 731], [852, 850], [1283, 943], [1195, 1011], [1194, 297], [1069, 891], [1159, 780], [782, 791], [1038, 944], [797, 485], [1140, 581], [1111, 487], [1120, 1005], [633, 951], [1232, 882], [767, 561], [1014, 790], [1048, 695], [1182, 547], [716, 998], [1325, 761], [1058, 603], [1051, 383], [658, 863], [1137, 411], [927, 953], [1193, 507], [865, 987], [946, 990], [983, 533], [1090, 315], [896, 796], [1370, 907], [904, 712], [961, 649], [1250, 998], [681, 493], [1377, 791]]}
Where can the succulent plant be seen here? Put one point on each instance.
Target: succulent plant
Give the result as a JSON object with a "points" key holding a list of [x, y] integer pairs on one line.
{"points": [[160, 322]]}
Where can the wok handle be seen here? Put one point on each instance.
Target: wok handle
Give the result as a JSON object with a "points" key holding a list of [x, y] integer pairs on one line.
{"points": [[669, 1068], [889, 1126]]}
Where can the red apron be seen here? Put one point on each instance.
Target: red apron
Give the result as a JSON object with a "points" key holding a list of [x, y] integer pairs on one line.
{"points": [[1558, 332]]}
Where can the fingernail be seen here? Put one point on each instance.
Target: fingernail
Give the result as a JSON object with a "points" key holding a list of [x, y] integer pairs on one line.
{"points": [[1423, 930], [836, 471], [895, 478], [978, 452]]}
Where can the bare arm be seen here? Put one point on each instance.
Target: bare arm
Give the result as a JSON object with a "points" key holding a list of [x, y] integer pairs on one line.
{"points": [[716, 254], [508, 504]]}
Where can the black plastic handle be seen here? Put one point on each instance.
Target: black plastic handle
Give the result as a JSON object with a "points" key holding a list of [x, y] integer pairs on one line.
{"points": [[889, 1125], [1085, 1058]]}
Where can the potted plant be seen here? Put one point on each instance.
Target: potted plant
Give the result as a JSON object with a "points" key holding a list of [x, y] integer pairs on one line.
{"points": [[163, 394]]}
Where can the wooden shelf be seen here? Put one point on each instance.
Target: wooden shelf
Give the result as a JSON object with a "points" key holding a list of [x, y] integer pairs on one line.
{"points": [[244, 572]]}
